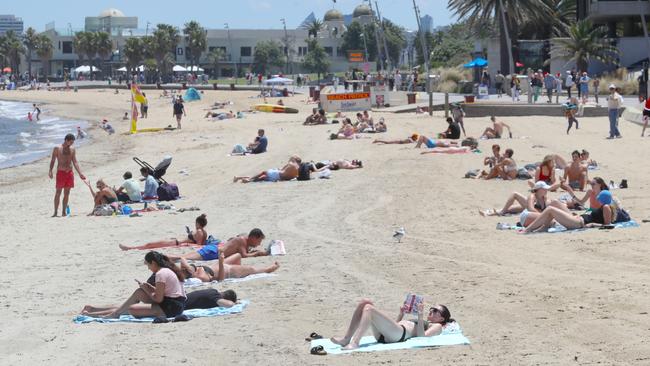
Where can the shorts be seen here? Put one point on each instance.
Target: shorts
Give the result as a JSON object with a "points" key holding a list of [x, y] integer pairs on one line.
{"points": [[272, 175], [64, 179], [430, 143], [209, 252], [575, 184], [523, 217], [173, 306], [646, 112]]}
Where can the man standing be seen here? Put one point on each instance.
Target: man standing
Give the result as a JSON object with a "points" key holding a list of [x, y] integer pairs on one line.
{"points": [[66, 157], [499, 79], [613, 105], [179, 111], [549, 84], [568, 83]]}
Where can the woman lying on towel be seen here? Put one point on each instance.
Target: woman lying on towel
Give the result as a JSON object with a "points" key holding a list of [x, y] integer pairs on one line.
{"points": [[166, 298], [447, 146], [194, 238], [609, 213], [223, 270], [387, 330]]}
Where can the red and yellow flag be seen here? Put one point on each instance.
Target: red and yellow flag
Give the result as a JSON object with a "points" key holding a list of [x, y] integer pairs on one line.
{"points": [[134, 117], [137, 94]]}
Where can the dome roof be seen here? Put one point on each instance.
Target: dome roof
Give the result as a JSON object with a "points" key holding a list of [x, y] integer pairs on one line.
{"points": [[333, 14], [110, 12], [361, 10]]}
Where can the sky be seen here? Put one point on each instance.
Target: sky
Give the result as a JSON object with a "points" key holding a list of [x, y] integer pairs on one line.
{"points": [[255, 14]]}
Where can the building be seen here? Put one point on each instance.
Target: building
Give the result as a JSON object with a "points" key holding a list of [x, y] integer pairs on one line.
{"points": [[10, 23], [427, 23], [111, 21]]}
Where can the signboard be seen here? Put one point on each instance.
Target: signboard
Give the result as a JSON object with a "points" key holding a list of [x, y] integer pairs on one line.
{"points": [[483, 91], [346, 102], [356, 56]]}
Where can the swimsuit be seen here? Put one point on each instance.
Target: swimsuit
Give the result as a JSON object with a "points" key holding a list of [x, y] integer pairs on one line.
{"points": [[272, 175], [574, 184], [173, 306], [545, 178], [523, 217], [209, 252], [430, 143], [64, 179], [402, 339]]}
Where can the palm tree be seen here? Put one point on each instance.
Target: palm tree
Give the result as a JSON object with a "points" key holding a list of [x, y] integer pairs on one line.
{"points": [[196, 40], [585, 43], [161, 45], [103, 46], [215, 57], [133, 52], [86, 47], [12, 48], [507, 13], [314, 28], [29, 41], [44, 51]]}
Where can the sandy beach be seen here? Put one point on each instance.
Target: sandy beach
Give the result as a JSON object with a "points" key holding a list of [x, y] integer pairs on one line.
{"points": [[569, 298]]}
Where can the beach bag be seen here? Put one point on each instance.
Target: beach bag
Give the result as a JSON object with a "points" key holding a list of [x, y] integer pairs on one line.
{"points": [[622, 216], [238, 149], [168, 192], [522, 173], [304, 171], [103, 210]]}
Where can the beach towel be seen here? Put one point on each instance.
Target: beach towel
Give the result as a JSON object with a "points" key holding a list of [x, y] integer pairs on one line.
{"points": [[194, 313], [618, 225], [449, 337], [194, 282]]}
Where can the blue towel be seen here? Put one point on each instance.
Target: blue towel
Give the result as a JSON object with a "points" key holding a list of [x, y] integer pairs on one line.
{"points": [[194, 313], [369, 343]]}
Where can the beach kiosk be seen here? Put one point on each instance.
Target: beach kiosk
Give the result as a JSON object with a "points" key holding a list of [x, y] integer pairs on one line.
{"points": [[333, 102]]}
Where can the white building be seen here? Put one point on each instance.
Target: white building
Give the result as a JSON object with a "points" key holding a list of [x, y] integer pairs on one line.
{"points": [[10, 23]]}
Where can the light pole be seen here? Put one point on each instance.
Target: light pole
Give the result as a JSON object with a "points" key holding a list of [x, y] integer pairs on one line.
{"points": [[365, 47], [286, 44], [230, 42], [146, 32]]}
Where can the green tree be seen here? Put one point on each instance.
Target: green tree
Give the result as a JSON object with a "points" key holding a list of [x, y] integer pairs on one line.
{"points": [[267, 55], [215, 57], [161, 46], [452, 46], [196, 39], [316, 59], [394, 40], [430, 42], [29, 41], [353, 39], [11, 49], [508, 14], [314, 28], [103, 46], [44, 51], [585, 43], [86, 47], [133, 51]]}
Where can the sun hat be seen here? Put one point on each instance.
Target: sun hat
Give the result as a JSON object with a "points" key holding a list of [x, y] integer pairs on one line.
{"points": [[604, 197], [541, 185], [612, 86]]}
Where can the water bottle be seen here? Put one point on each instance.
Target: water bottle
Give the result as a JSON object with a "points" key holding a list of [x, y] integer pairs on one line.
{"points": [[67, 210]]}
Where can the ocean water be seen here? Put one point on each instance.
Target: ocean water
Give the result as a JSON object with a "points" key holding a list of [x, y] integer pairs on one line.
{"points": [[22, 141]]}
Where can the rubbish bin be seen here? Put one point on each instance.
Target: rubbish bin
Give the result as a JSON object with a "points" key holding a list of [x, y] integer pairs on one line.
{"points": [[469, 99], [232, 86], [410, 97], [214, 86]]}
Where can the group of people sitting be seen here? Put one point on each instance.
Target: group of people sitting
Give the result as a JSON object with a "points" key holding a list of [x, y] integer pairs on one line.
{"points": [[105, 198]]}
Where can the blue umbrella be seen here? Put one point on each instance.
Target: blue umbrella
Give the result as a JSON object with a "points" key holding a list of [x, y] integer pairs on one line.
{"points": [[477, 62]]}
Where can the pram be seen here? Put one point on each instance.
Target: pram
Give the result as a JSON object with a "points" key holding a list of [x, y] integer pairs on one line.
{"points": [[166, 191]]}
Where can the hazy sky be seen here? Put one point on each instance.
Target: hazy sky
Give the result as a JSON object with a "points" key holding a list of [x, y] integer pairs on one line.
{"points": [[214, 13]]}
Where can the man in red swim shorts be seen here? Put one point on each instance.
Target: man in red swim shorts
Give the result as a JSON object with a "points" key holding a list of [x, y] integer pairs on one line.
{"points": [[66, 157]]}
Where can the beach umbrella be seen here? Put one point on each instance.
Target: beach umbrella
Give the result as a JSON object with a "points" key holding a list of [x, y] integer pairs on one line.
{"points": [[122, 69], [278, 81], [178, 68], [6, 69], [194, 68], [85, 69], [477, 62], [519, 64]]}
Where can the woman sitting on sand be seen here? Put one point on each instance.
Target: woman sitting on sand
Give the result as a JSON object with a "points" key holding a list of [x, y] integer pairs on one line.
{"points": [[233, 269], [347, 131], [529, 207], [504, 168], [546, 173], [610, 213], [104, 196], [194, 238], [166, 298], [387, 330], [597, 185]]}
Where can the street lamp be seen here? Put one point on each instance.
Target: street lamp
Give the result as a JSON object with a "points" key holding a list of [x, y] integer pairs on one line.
{"points": [[286, 44], [230, 53]]}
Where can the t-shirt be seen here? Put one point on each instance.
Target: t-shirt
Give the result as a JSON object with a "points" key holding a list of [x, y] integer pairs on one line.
{"points": [[203, 299], [454, 131], [132, 188], [178, 108], [173, 287], [150, 187], [263, 143]]}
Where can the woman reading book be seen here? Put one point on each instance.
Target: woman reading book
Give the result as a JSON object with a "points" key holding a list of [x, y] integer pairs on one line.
{"points": [[387, 330]]}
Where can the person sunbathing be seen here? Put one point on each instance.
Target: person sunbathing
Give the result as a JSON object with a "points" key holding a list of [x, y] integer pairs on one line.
{"points": [[409, 140], [505, 169], [536, 203], [610, 213], [448, 147], [288, 172], [223, 270], [165, 298], [105, 195], [496, 131], [576, 172], [546, 172], [345, 164], [194, 238], [386, 330], [240, 245], [347, 131], [210, 298], [597, 184], [381, 126]]}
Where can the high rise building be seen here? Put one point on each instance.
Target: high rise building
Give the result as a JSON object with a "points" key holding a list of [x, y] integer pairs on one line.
{"points": [[10, 22], [427, 23]]}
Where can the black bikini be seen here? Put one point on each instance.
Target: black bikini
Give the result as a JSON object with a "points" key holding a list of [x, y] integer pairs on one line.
{"points": [[383, 340]]}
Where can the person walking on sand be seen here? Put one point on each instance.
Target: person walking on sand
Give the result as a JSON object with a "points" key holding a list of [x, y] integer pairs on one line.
{"points": [[179, 111], [613, 104], [66, 157]]}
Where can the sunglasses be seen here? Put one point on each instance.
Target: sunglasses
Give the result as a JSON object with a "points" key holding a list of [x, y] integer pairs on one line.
{"points": [[434, 310]]}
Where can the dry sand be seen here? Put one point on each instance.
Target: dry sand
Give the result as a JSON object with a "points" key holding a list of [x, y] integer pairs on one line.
{"points": [[538, 299]]}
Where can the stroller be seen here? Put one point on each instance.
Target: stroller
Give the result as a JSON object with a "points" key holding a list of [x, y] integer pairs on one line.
{"points": [[166, 191]]}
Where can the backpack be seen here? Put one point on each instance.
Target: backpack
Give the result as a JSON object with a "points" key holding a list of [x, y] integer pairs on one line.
{"points": [[168, 192], [304, 171]]}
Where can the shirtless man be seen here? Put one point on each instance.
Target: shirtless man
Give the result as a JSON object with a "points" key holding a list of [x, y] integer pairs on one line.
{"points": [[66, 157], [234, 249], [288, 172], [576, 173], [409, 140], [496, 131]]}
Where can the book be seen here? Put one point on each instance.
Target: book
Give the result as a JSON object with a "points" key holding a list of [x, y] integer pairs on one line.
{"points": [[276, 247], [411, 303]]}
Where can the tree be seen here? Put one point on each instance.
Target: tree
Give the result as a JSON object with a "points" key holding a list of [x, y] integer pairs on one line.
{"points": [[585, 43], [103, 46], [507, 13], [196, 40], [316, 59], [44, 51], [161, 46], [314, 28], [133, 51], [353, 39], [267, 55], [84, 44], [29, 41], [11, 48], [430, 42], [395, 40], [215, 57]]}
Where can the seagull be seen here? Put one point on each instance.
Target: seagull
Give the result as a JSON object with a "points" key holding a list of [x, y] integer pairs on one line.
{"points": [[399, 234]]}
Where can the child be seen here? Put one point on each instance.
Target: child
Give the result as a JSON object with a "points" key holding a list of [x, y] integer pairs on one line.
{"points": [[646, 113], [126, 116], [570, 109], [29, 118]]}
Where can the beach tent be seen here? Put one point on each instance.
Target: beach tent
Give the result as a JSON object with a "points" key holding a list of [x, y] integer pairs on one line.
{"points": [[123, 69], [194, 68], [178, 68], [84, 69], [477, 62], [191, 95], [278, 81]]}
